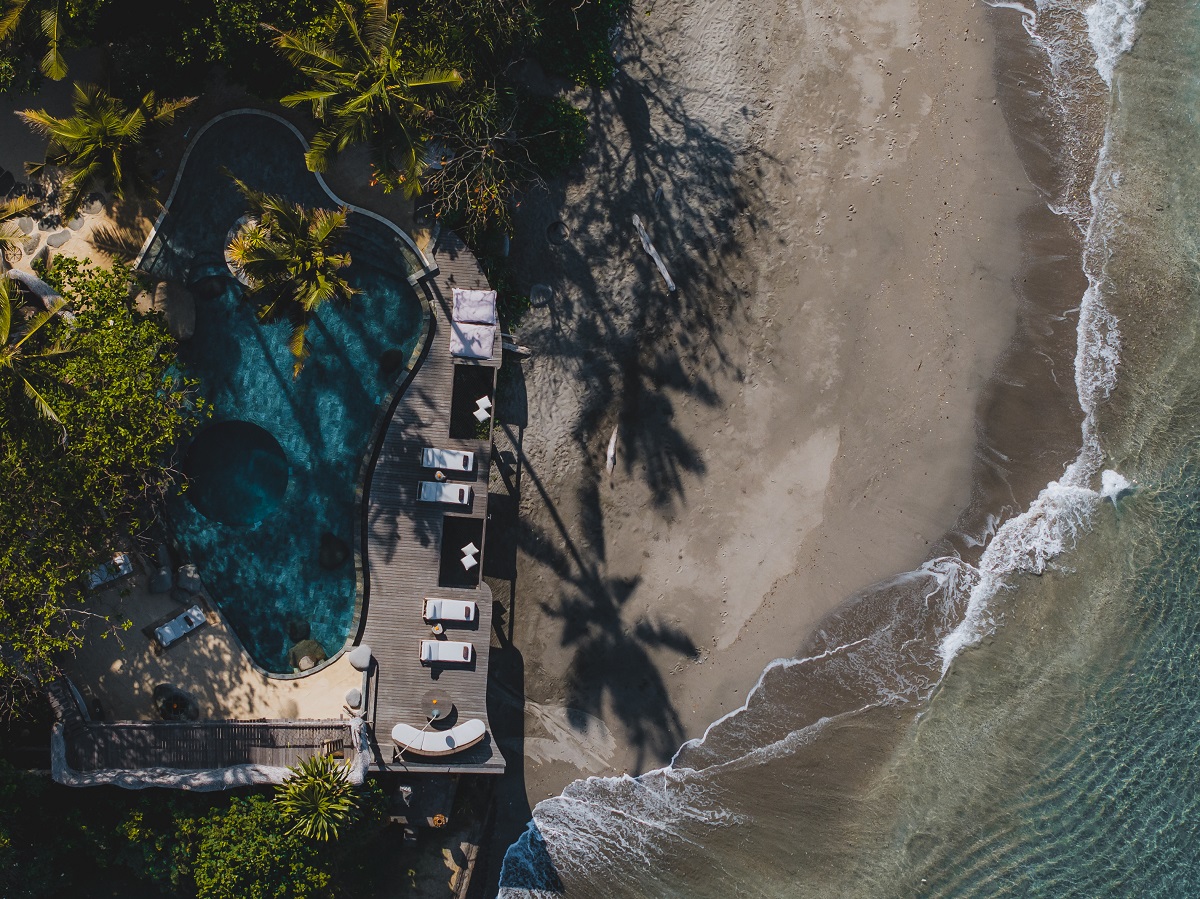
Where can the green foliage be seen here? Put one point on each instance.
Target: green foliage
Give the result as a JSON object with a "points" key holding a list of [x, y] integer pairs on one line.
{"points": [[577, 38], [124, 410], [248, 851], [98, 145], [288, 255], [558, 135], [174, 45], [318, 798], [368, 83]]}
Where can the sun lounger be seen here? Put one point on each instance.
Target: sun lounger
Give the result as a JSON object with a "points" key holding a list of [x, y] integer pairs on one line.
{"points": [[446, 651], [120, 565], [439, 742], [472, 341], [478, 306], [449, 610], [448, 492], [452, 460], [179, 626]]}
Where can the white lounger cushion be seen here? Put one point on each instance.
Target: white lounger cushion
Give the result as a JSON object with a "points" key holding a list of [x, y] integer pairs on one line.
{"points": [[180, 626], [455, 460], [472, 341], [449, 492], [446, 651], [449, 610], [439, 742], [477, 306]]}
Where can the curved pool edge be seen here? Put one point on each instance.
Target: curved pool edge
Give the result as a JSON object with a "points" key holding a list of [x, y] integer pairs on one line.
{"points": [[417, 280], [428, 267]]}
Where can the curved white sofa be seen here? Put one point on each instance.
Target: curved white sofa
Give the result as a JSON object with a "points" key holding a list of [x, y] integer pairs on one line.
{"points": [[438, 742]]}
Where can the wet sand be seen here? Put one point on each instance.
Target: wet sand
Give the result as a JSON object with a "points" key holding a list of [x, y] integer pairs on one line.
{"points": [[866, 356]]}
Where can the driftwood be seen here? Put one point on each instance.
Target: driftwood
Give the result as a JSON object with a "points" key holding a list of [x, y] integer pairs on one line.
{"points": [[649, 247]]}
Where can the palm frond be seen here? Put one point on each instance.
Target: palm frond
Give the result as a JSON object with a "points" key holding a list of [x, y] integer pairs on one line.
{"points": [[39, 402], [298, 347], [53, 65], [11, 18]]}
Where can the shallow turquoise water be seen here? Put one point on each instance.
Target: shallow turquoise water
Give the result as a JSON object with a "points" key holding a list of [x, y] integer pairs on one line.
{"points": [[257, 548]]}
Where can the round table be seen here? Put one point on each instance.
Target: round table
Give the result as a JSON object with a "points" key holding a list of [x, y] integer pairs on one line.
{"points": [[437, 705]]}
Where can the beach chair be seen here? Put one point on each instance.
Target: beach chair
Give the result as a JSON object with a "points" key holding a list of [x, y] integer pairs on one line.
{"points": [[443, 652], [451, 460], [449, 610], [449, 492]]}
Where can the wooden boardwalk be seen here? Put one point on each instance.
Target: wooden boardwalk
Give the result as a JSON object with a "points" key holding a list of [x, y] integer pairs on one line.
{"points": [[403, 547]]}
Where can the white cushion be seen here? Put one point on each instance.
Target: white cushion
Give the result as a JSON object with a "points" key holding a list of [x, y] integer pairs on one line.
{"points": [[439, 742], [449, 610], [477, 306], [472, 341], [452, 651]]}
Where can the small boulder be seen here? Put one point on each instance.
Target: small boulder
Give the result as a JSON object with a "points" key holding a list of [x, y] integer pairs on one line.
{"points": [[160, 581], [360, 657], [354, 697], [334, 551], [189, 578], [58, 238], [306, 655]]}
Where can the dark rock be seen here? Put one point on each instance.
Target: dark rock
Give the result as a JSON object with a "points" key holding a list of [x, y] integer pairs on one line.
{"points": [[189, 579], [392, 361], [334, 551], [76, 223], [160, 581], [306, 655], [298, 629]]}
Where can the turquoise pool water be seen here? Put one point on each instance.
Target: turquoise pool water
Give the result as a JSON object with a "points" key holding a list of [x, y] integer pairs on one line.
{"points": [[270, 500]]}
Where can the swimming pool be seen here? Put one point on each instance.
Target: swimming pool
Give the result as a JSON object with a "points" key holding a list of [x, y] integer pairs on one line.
{"points": [[268, 513]]}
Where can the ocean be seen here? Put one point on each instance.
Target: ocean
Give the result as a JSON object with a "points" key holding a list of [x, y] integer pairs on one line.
{"points": [[1023, 720]]}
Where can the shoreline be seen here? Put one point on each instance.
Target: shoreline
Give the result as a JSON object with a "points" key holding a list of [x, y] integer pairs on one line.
{"points": [[991, 456]]}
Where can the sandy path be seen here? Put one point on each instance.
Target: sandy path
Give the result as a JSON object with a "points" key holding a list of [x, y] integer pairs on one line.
{"points": [[839, 206]]}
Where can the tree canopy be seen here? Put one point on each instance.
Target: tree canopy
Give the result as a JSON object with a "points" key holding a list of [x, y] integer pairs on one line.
{"points": [[124, 409]]}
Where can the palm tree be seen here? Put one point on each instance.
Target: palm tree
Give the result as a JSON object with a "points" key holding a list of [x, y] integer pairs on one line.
{"points": [[47, 14], [368, 85], [287, 257], [97, 146], [318, 797], [10, 237], [16, 351]]}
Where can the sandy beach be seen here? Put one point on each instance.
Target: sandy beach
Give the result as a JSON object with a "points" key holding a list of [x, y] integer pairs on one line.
{"points": [[821, 404]]}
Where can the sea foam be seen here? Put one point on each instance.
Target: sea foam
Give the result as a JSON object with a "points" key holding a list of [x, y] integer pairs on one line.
{"points": [[599, 819]]}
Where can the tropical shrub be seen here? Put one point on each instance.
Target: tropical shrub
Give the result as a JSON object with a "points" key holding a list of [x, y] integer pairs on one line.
{"points": [[576, 38], [558, 133]]}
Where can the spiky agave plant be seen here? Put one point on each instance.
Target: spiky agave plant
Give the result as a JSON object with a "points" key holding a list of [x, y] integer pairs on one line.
{"points": [[288, 255], [318, 798]]}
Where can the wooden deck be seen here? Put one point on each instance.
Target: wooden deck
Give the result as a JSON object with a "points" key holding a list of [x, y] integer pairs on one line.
{"points": [[403, 547]]}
